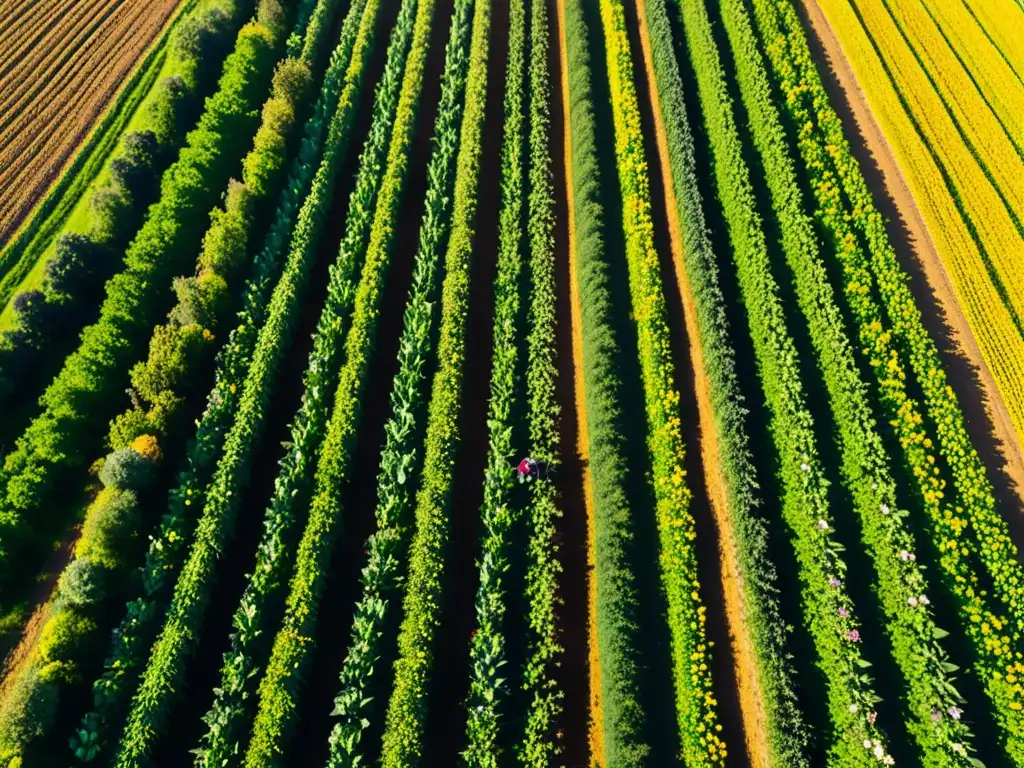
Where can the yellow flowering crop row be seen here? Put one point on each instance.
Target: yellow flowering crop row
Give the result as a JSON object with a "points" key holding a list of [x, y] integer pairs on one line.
{"points": [[968, 230], [695, 703], [1001, 87], [1002, 21]]}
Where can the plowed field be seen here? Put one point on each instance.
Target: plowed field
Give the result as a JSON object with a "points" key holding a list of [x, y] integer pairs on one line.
{"points": [[60, 70]]}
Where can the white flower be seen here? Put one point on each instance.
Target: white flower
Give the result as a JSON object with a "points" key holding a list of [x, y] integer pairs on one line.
{"points": [[885, 509], [879, 751], [912, 601], [888, 760], [823, 525], [853, 709], [867, 743], [805, 467], [923, 600], [904, 555]]}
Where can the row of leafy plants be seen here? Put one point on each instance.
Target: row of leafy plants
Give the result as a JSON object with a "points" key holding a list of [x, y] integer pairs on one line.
{"points": [[265, 588], [501, 509], [696, 707], [539, 745], [361, 675], [785, 729], [313, 171], [407, 708], [900, 583], [281, 686], [64, 434], [827, 606], [967, 532], [618, 641], [108, 542], [181, 634]]}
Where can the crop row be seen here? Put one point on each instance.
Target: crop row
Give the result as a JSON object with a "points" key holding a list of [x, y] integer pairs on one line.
{"points": [[696, 708], [265, 586], [1000, 21], [988, 138], [386, 549], [966, 529], [988, 69], [80, 396], [616, 605], [785, 729], [900, 581], [293, 647], [169, 547], [828, 608], [406, 715], [181, 634], [499, 511], [971, 226], [538, 746]]}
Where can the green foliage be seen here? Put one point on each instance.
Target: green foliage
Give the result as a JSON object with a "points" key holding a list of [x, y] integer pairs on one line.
{"points": [[81, 584], [785, 730], [539, 746], [80, 397], [487, 657], [127, 470], [61, 638], [406, 716], [280, 687], [110, 528], [381, 577], [967, 530], [616, 583], [28, 711]]}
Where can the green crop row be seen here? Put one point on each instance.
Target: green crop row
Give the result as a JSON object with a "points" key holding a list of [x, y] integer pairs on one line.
{"points": [[696, 707], [266, 584], [786, 730], [618, 638], [900, 583], [828, 609], [161, 682], [385, 549], [61, 437], [499, 512], [407, 708], [539, 746], [280, 688], [875, 288], [168, 550]]}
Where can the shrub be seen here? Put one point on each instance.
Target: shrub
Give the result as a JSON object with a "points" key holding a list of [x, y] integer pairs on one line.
{"points": [[62, 637], [72, 273], [128, 470], [173, 352], [81, 583], [28, 711], [110, 524]]}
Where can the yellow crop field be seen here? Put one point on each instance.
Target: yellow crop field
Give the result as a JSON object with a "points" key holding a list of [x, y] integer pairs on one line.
{"points": [[1002, 21], [1000, 86], [978, 240]]}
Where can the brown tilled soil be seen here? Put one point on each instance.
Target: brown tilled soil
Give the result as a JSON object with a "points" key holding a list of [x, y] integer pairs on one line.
{"points": [[740, 651], [988, 421], [595, 731], [17, 655], [65, 76]]}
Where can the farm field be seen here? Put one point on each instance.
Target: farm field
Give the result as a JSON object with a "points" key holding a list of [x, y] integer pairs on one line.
{"points": [[56, 80], [526, 383]]}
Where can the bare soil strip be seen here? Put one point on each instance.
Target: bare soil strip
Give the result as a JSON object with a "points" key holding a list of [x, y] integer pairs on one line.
{"points": [[596, 735], [73, 97], [745, 667], [988, 421]]}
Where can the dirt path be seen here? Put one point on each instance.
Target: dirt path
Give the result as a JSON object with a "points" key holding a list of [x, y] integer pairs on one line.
{"points": [[596, 733], [744, 668], [39, 600], [988, 421]]}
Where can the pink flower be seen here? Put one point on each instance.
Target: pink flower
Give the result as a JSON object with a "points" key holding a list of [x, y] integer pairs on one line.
{"points": [[904, 555], [834, 582], [843, 612], [872, 716], [955, 713], [936, 716], [854, 636]]}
